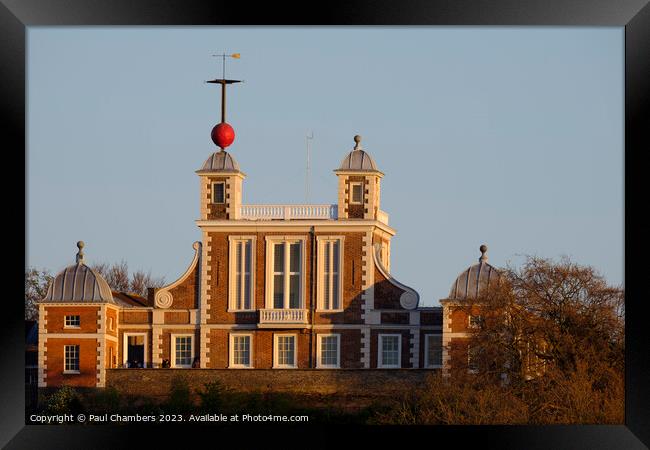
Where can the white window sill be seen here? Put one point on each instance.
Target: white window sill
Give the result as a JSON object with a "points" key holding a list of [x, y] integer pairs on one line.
{"points": [[240, 367], [389, 367], [71, 327], [240, 310], [329, 310], [328, 367], [71, 372], [182, 367], [285, 367]]}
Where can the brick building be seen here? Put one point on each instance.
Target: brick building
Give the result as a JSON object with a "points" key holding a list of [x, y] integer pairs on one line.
{"points": [[269, 286]]}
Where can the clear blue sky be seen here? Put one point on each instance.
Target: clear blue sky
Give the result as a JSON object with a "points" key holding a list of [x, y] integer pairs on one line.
{"points": [[510, 136]]}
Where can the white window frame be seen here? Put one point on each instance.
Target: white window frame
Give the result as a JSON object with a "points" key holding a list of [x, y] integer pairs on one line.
{"points": [[125, 347], [478, 317], [380, 349], [214, 202], [65, 321], [351, 198], [173, 350], [66, 371], [427, 363], [231, 351], [232, 272], [319, 346], [276, 352], [321, 242], [270, 241]]}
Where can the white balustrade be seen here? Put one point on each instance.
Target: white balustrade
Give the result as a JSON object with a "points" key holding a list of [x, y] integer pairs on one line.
{"points": [[288, 212], [283, 316]]}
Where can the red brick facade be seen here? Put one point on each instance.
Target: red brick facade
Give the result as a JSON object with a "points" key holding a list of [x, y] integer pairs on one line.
{"points": [[191, 322]]}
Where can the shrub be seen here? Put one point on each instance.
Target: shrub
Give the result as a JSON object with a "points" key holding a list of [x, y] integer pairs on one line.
{"points": [[106, 400], [179, 397], [64, 400], [212, 398]]}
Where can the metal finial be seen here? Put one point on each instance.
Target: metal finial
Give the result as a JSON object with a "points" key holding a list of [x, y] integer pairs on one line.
{"points": [[80, 254], [483, 249], [357, 140]]}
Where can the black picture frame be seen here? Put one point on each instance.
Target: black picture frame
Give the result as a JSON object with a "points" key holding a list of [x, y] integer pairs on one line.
{"points": [[634, 15]]}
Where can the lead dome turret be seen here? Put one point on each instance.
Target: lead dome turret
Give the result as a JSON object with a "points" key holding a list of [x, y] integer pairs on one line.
{"points": [[474, 280], [358, 159], [79, 283]]}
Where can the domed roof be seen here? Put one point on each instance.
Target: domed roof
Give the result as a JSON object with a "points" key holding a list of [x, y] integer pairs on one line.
{"points": [[358, 159], [79, 283], [220, 161], [474, 279]]}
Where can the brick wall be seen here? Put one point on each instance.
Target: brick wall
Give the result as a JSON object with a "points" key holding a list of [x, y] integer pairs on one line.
{"points": [[217, 211], [111, 316], [395, 318], [219, 347], [218, 271], [458, 357], [54, 351], [156, 383], [423, 336], [356, 211], [132, 317], [431, 317], [177, 317], [186, 294], [350, 348], [386, 294], [111, 354], [87, 318], [460, 319], [351, 292]]}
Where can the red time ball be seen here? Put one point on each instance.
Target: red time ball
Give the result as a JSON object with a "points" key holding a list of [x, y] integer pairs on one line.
{"points": [[223, 135]]}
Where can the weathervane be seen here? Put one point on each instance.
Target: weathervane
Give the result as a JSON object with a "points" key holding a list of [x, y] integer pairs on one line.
{"points": [[223, 134]]}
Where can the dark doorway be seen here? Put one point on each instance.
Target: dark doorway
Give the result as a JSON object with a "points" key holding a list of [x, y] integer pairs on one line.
{"points": [[135, 352]]}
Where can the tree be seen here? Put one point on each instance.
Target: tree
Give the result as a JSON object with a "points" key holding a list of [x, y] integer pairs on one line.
{"points": [[118, 278], [555, 332], [36, 284], [549, 348]]}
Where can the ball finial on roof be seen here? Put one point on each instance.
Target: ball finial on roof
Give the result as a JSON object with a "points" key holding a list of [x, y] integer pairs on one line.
{"points": [[357, 140], [483, 249], [223, 135], [80, 254], [358, 159]]}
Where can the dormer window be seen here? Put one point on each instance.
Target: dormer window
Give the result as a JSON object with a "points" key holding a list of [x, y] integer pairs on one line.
{"points": [[356, 193], [219, 192]]}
